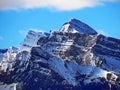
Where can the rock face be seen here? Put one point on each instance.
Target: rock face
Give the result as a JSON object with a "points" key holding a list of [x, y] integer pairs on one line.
{"points": [[73, 58], [69, 46], [76, 26], [31, 40], [107, 46], [2, 51]]}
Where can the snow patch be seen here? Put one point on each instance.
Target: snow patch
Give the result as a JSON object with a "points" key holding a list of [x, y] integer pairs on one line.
{"points": [[76, 26], [58, 66], [8, 87], [31, 40], [69, 70], [112, 64]]}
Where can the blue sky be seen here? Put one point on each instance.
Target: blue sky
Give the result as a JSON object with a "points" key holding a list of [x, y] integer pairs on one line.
{"points": [[17, 18]]}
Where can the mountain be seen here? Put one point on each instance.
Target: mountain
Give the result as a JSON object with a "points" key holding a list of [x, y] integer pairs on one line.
{"points": [[74, 58], [75, 26], [2, 51]]}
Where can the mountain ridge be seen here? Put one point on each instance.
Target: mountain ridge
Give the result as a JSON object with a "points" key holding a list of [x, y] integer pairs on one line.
{"points": [[66, 59], [76, 26]]}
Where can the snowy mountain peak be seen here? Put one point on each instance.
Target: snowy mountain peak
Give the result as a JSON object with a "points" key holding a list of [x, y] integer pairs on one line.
{"points": [[12, 49], [74, 58], [31, 39], [76, 26], [2, 51]]}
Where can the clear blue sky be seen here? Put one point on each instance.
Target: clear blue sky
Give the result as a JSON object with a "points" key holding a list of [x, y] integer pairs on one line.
{"points": [[15, 23]]}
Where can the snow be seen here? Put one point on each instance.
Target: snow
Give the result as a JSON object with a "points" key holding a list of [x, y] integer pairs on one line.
{"points": [[57, 46], [58, 66], [2, 52], [45, 71], [112, 64], [71, 68], [65, 28], [67, 69], [1, 56], [8, 87], [4, 66], [98, 72], [12, 49], [41, 60], [24, 58], [76, 26], [31, 40], [81, 47], [8, 58], [94, 73]]}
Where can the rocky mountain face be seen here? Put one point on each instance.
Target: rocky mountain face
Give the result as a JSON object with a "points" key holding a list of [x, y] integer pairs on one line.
{"points": [[73, 58], [2, 51]]}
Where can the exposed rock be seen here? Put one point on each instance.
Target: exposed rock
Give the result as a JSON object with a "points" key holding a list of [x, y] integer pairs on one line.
{"points": [[73, 58]]}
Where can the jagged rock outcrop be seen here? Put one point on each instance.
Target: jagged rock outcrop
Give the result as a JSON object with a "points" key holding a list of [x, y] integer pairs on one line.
{"points": [[2, 51], [73, 58], [69, 46]]}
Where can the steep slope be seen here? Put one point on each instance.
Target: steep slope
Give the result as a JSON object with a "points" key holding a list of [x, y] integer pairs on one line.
{"points": [[108, 49], [73, 58], [76, 26], [31, 39], [8, 58], [2, 51], [70, 46]]}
